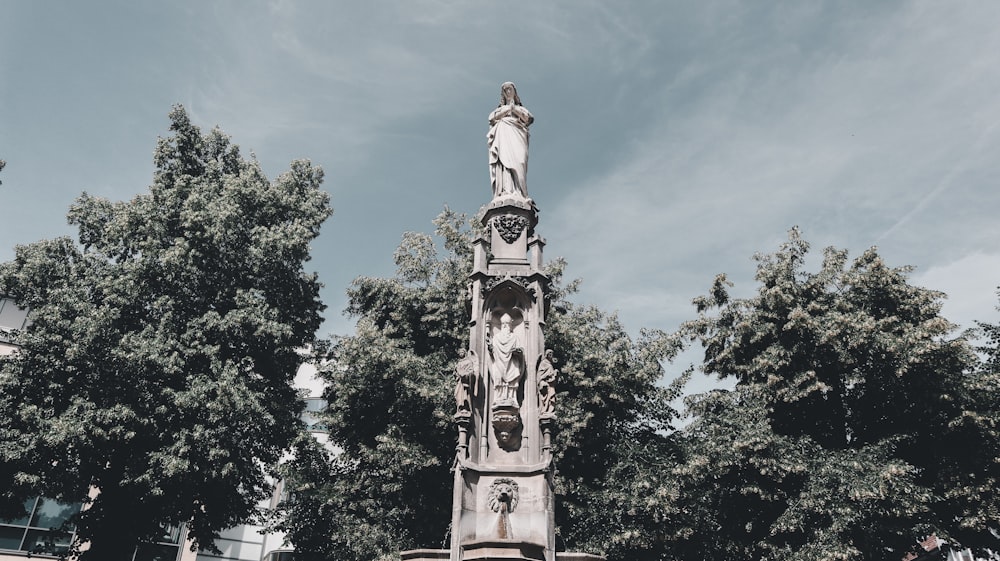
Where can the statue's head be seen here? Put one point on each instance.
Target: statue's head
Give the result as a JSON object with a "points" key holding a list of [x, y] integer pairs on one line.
{"points": [[508, 94], [506, 321]]}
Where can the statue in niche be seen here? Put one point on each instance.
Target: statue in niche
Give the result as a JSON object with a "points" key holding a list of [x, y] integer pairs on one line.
{"points": [[507, 364], [546, 383], [466, 378], [508, 141]]}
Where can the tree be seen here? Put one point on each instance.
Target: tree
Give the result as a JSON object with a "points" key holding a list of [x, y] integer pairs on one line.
{"points": [[388, 487], [157, 365], [856, 424], [990, 349]]}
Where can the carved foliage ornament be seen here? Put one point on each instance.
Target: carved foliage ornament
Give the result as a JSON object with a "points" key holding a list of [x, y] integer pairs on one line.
{"points": [[510, 226], [503, 492], [523, 282]]}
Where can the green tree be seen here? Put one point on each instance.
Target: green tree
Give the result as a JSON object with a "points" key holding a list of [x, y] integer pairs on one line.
{"points": [[856, 425], [157, 366], [390, 415], [990, 349]]}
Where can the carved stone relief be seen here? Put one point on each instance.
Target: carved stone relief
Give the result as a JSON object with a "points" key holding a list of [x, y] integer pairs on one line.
{"points": [[523, 282], [510, 226], [503, 495]]}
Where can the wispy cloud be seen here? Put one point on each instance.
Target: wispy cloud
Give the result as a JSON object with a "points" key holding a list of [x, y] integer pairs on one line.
{"points": [[849, 134]]}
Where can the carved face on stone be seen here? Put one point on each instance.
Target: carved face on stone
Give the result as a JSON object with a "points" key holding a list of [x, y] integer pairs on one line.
{"points": [[503, 492], [505, 322]]}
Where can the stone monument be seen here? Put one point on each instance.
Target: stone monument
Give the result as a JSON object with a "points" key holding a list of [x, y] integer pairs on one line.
{"points": [[503, 505]]}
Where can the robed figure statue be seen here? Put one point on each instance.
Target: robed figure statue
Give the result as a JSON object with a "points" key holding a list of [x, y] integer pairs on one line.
{"points": [[507, 365], [508, 141]]}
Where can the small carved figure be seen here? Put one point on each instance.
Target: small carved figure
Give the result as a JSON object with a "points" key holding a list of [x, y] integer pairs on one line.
{"points": [[508, 141], [546, 383], [507, 365], [466, 376]]}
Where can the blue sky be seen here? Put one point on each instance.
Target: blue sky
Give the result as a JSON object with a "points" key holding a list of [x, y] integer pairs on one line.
{"points": [[672, 140]]}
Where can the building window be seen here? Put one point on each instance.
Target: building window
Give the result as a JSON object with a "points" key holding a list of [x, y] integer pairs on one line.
{"points": [[281, 556], [12, 318], [41, 530], [314, 406], [166, 548]]}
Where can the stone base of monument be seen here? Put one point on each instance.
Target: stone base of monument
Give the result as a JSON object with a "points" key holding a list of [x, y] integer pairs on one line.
{"points": [[504, 549], [425, 555], [501, 549]]}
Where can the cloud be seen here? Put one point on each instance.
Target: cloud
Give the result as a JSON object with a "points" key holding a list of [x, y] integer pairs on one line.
{"points": [[856, 128], [971, 283]]}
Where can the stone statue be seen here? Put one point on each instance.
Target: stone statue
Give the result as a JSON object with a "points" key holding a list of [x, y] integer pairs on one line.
{"points": [[466, 378], [508, 141], [507, 365], [546, 383]]}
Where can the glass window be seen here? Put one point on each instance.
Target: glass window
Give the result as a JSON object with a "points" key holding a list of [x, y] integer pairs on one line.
{"points": [[40, 530], [11, 317], [166, 548], [156, 552], [29, 505], [46, 541], [171, 534], [50, 514], [11, 537], [315, 404]]}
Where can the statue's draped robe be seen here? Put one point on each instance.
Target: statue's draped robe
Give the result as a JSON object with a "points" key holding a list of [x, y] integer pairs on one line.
{"points": [[465, 376], [505, 371], [508, 140]]}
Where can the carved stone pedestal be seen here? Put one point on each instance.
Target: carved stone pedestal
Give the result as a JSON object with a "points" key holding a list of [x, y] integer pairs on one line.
{"points": [[511, 224]]}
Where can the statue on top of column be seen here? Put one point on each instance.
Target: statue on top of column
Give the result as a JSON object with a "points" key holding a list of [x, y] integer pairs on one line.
{"points": [[508, 141]]}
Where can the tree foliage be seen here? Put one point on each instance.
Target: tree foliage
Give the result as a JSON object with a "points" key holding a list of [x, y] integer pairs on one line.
{"points": [[857, 422], [390, 415], [157, 366]]}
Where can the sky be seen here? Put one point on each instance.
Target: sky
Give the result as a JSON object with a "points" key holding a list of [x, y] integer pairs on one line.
{"points": [[671, 142]]}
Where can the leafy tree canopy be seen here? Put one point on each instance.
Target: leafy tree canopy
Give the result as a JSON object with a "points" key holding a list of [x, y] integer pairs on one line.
{"points": [[390, 415], [157, 366], [858, 421]]}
